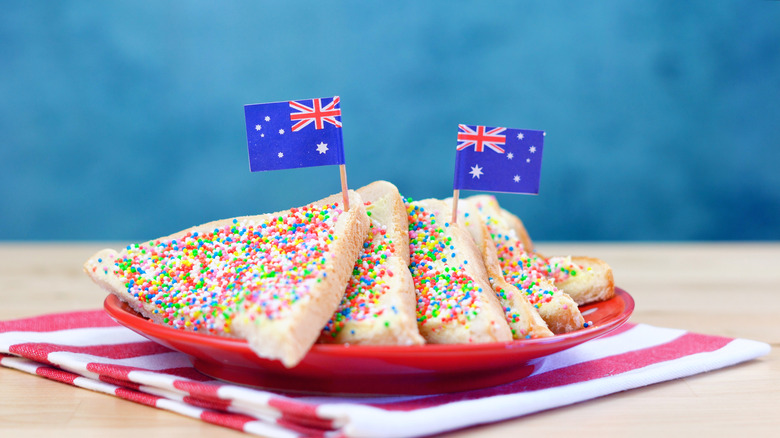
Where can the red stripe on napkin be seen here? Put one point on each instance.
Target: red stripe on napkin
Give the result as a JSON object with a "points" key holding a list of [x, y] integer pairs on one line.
{"points": [[39, 351], [295, 412], [118, 382], [294, 408], [112, 370], [56, 374], [687, 344], [59, 321], [137, 396], [199, 388], [213, 404], [232, 421]]}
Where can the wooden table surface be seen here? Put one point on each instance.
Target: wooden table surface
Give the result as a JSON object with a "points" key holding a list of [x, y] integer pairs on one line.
{"points": [[728, 289]]}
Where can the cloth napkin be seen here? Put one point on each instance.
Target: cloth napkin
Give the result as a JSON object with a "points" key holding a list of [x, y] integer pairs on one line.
{"points": [[89, 350]]}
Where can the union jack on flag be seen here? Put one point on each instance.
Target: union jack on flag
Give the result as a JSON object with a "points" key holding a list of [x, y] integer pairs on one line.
{"points": [[467, 137], [299, 133], [501, 159], [316, 113]]}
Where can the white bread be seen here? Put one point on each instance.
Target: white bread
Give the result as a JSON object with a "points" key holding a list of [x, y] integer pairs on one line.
{"points": [[379, 306], [455, 302], [526, 271], [522, 317], [273, 279]]}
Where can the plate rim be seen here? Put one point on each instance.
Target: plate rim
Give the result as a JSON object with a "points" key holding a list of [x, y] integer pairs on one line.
{"points": [[113, 305]]}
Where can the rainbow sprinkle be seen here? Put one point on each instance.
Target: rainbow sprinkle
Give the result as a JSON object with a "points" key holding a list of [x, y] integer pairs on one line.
{"points": [[444, 291], [199, 281], [512, 316], [531, 273], [511, 251], [525, 271], [368, 284]]}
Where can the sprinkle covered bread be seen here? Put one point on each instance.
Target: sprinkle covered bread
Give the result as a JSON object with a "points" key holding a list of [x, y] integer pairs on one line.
{"points": [[387, 271], [455, 302], [379, 304], [584, 279], [530, 273], [523, 319], [272, 279]]}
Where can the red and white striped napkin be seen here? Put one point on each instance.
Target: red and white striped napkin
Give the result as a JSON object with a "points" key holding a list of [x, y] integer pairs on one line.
{"points": [[89, 350]]}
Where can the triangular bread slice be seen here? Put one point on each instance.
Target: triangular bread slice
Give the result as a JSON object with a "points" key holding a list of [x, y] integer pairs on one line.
{"points": [[379, 306], [584, 279], [273, 279], [455, 302], [522, 317], [526, 271]]}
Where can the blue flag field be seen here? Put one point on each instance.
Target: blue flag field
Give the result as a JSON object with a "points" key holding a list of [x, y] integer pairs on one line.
{"points": [[291, 134]]}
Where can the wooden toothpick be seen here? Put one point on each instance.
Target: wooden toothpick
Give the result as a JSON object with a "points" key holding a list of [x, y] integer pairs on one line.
{"points": [[344, 190], [455, 195]]}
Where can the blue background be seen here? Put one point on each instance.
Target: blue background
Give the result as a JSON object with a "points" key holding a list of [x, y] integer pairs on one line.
{"points": [[124, 119]]}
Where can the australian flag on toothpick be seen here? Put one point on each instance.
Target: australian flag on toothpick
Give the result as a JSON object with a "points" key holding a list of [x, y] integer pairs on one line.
{"points": [[300, 133], [498, 159]]}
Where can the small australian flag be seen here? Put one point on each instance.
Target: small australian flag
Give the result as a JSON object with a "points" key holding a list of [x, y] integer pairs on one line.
{"points": [[300, 133], [494, 159]]}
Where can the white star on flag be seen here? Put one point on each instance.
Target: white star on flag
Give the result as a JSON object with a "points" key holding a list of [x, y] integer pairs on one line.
{"points": [[510, 155], [527, 160], [476, 171], [322, 148], [267, 119], [281, 131], [516, 178], [532, 149], [257, 127], [280, 155], [520, 135]]}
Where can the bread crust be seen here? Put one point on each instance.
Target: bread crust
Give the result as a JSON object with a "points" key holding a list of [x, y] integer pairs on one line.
{"points": [[285, 336], [379, 307]]}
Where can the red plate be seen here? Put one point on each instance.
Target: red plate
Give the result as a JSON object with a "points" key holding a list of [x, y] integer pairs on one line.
{"points": [[375, 370]]}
